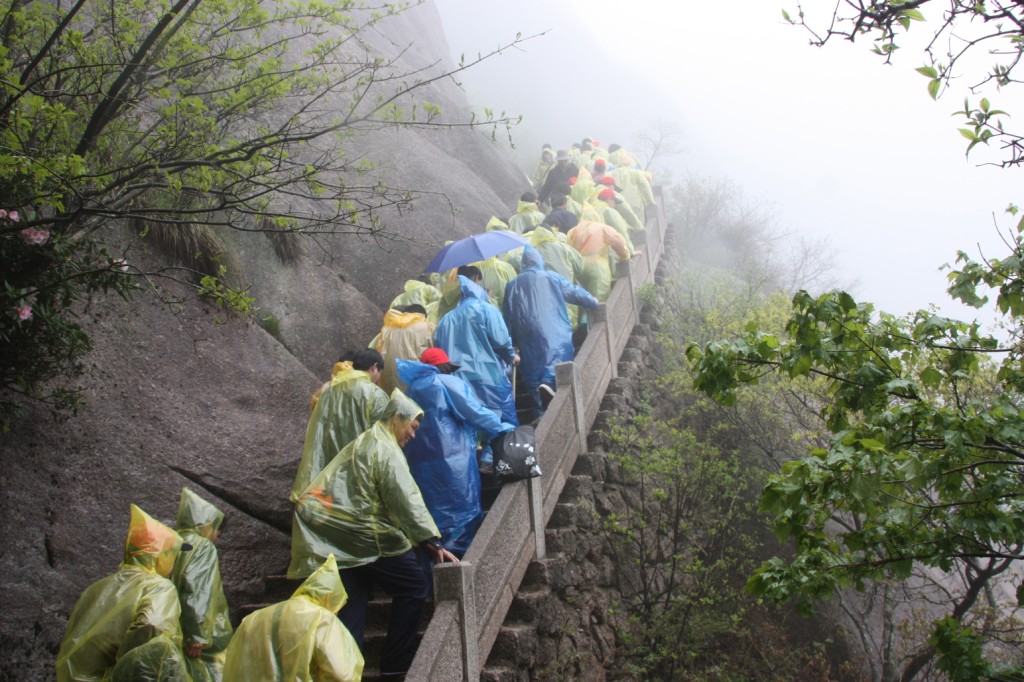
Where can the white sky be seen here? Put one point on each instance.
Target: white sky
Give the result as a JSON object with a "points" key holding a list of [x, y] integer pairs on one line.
{"points": [[839, 143]]}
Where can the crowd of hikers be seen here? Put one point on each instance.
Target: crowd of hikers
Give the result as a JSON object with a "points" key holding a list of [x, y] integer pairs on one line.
{"points": [[390, 478]]}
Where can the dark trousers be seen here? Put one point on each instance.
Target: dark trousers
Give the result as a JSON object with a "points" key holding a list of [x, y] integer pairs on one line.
{"points": [[402, 579]]}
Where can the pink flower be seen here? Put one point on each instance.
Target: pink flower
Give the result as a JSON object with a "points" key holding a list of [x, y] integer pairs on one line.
{"points": [[3, 213], [34, 236], [24, 312], [13, 215], [119, 264]]}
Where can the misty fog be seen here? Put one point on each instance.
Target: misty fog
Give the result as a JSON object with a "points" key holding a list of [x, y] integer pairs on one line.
{"points": [[835, 143]]}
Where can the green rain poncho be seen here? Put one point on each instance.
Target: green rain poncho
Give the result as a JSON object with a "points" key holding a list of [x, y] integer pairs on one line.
{"points": [[511, 257], [561, 258], [636, 189], [426, 295], [527, 217], [349, 406], [204, 608], [299, 639], [365, 504], [124, 610], [158, 660], [497, 274]]}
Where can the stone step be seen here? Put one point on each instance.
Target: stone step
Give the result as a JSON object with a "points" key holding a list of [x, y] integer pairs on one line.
{"points": [[500, 674], [578, 488], [527, 603], [590, 464], [514, 648], [555, 571], [571, 515]]}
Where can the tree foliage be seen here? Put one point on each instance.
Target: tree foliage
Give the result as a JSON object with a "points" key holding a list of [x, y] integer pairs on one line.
{"points": [[925, 464], [962, 33], [175, 115]]}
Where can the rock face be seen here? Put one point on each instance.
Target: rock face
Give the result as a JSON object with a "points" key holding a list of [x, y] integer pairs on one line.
{"points": [[180, 396]]}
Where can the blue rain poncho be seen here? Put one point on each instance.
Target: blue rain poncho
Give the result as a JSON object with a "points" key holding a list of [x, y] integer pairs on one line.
{"points": [[299, 639], [346, 408], [537, 318], [205, 618], [476, 339], [124, 610], [365, 504], [442, 457]]}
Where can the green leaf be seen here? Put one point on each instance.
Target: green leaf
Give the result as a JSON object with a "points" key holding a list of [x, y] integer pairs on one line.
{"points": [[912, 14], [929, 71], [933, 87]]}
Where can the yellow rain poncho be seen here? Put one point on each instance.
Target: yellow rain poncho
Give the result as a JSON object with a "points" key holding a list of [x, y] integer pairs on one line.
{"points": [[299, 639], [158, 660], [205, 619], [349, 406], [547, 162], [514, 256], [627, 213], [404, 336], [365, 504], [338, 368], [596, 242], [583, 187], [609, 216], [124, 610], [526, 217], [497, 274], [421, 293], [620, 157], [636, 189]]}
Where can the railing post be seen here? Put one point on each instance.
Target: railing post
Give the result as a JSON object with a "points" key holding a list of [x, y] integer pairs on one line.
{"points": [[454, 582], [600, 314], [535, 493], [625, 269], [566, 375]]}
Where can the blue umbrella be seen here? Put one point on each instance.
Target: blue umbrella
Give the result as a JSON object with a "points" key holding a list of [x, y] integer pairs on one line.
{"points": [[474, 248]]}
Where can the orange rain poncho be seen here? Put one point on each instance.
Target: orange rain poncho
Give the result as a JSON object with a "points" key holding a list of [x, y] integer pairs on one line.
{"points": [[299, 639], [124, 610], [596, 242]]}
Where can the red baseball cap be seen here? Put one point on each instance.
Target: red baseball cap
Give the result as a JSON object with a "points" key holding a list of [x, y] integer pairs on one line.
{"points": [[434, 356], [605, 194]]}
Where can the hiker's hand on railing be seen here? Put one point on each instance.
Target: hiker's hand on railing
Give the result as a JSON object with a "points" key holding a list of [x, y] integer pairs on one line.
{"points": [[439, 554]]}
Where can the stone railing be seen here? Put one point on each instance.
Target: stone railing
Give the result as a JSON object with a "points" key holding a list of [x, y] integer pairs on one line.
{"points": [[472, 598]]}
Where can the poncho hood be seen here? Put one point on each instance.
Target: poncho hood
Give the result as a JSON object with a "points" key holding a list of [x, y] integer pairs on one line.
{"points": [[151, 545], [324, 587], [195, 513], [532, 260]]}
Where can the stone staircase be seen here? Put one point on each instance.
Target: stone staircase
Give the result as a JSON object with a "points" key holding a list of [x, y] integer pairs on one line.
{"points": [[559, 625]]}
